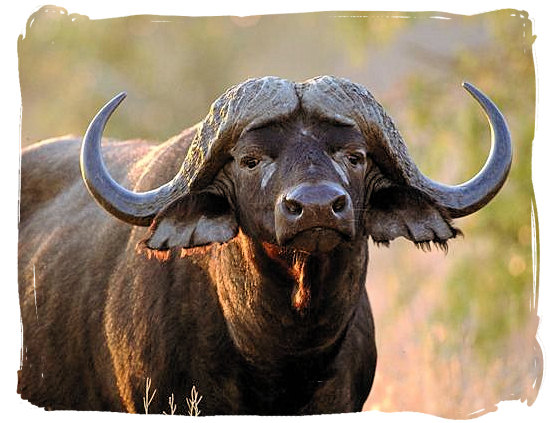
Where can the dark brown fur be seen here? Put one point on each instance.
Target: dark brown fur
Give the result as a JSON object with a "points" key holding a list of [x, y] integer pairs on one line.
{"points": [[258, 328]]}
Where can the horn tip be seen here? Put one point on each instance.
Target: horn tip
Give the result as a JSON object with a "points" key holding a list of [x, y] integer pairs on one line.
{"points": [[475, 92], [471, 88], [467, 86], [115, 102]]}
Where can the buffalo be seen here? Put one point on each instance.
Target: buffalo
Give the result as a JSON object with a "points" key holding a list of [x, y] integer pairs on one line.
{"points": [[237, 256]]}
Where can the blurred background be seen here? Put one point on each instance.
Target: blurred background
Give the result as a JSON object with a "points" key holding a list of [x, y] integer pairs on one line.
{"points": [[456, 332]]}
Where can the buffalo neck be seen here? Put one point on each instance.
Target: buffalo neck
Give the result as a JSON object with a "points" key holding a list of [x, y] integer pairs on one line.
{"points": [[280, 304]]}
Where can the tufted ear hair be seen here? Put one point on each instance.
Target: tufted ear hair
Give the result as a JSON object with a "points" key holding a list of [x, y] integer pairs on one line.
{"points": [[397, 211], [193, 220]]}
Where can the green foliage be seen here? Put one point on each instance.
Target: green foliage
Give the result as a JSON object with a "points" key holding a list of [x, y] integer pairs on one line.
{"points": [[172, 67], [491, 286]]}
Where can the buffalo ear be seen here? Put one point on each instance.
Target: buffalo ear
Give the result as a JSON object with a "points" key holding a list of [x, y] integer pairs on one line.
{"points": [[191, 221], [397, 211]]}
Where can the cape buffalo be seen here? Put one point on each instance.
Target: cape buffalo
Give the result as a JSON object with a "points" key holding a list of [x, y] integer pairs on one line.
{"points": [[243, 274]]}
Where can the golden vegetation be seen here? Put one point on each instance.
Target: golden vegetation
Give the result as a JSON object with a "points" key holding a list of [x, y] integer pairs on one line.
{"points": [[192, 401]]}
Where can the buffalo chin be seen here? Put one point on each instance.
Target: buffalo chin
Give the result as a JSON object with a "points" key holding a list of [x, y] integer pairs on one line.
{"points": [[317, 240]]}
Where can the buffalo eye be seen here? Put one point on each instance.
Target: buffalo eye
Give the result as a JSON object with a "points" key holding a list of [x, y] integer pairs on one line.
{"points": [[250, 162], [356, 159]]}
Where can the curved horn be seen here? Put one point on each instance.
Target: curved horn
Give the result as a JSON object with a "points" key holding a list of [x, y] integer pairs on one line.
{"points": [[464, 199], [136, 208]]}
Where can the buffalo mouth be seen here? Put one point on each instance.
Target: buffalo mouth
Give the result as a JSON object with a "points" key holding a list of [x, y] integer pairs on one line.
{"points": [[316, 240]]}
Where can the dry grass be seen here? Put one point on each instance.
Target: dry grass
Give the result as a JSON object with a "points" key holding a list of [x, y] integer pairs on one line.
{"points": [[192, 401], [172, 404], [430, 367], [146, 399]]}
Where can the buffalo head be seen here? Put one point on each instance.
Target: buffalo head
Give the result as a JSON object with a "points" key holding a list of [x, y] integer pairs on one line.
{"points": [[306, 166]]}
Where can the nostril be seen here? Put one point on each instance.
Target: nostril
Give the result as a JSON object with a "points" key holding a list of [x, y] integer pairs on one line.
{"points": [[339, 204], [292, 207]]}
